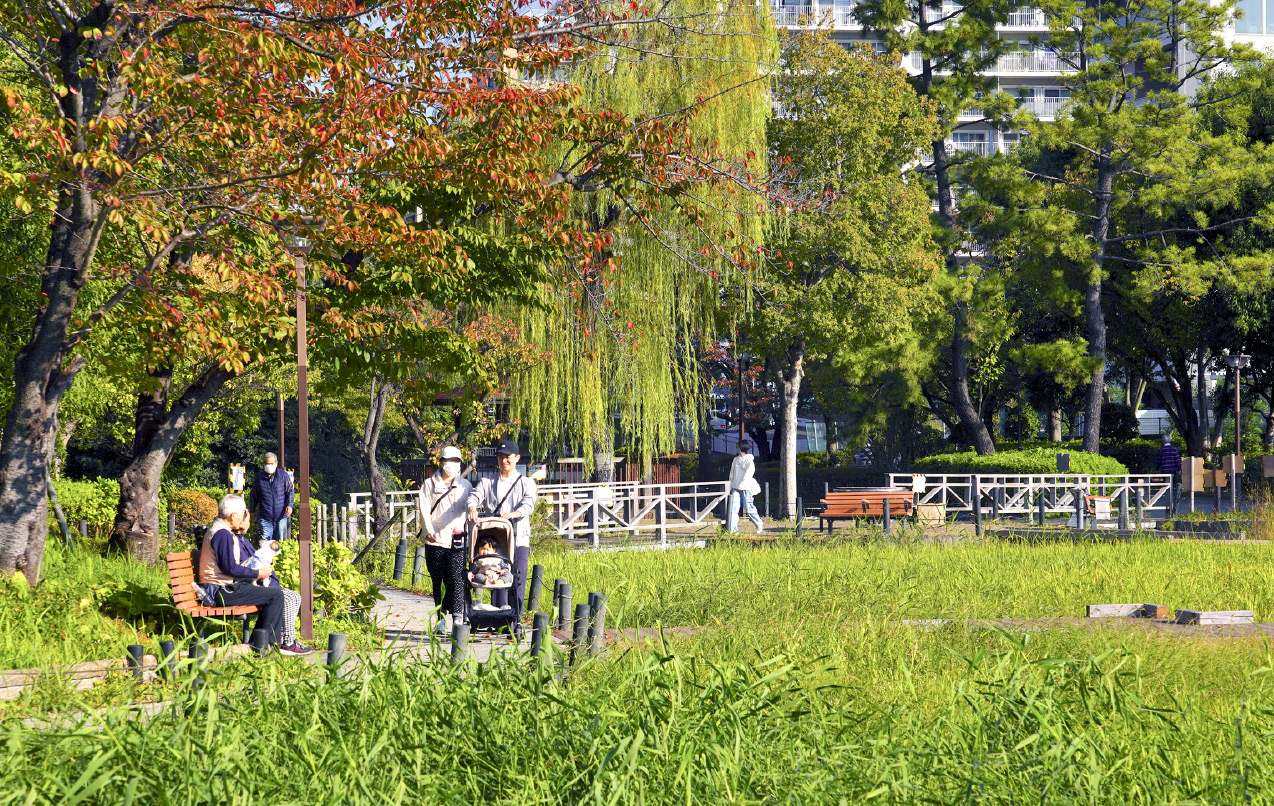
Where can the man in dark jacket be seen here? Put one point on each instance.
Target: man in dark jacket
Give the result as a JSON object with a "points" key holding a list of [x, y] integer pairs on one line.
{"points": [[272, 496]]}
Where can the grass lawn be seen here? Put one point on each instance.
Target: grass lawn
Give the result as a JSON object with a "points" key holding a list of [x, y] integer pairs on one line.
{"points": [[803, 687]]}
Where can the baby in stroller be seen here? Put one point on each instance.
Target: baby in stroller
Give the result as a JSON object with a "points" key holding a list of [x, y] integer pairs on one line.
{"points": [[488, 568]]}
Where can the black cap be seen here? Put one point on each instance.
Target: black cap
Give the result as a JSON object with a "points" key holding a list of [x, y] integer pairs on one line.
{"points": [[507, 447]]}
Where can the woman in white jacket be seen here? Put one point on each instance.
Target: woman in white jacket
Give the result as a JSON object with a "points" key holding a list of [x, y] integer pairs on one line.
{"points": [[441, 515], [742, 487]]}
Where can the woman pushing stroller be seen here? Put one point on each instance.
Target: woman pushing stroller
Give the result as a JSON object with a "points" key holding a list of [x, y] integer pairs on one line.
{"points": [[510, 495], [441, 513]]}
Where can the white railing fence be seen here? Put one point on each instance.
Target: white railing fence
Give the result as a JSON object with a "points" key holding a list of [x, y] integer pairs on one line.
{"points": [[586, 510], [1020, 494]]}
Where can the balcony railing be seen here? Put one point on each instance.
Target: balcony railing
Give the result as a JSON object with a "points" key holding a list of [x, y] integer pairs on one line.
{"points": [[1043, 107], [793, 16], [1026, 18], [982, 148]]}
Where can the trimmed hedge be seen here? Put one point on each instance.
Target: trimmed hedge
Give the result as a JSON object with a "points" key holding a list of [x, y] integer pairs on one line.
{"points": [[1029, 461]]}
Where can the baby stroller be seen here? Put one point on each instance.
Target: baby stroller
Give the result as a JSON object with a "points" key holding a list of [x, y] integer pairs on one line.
{"points": [[492, 570]]}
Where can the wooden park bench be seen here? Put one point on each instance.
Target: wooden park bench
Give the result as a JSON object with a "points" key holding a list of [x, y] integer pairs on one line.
{"points": [[183, 569], [857, 504]]}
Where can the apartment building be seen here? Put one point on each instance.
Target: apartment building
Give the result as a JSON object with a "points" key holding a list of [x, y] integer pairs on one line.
{"points": [[1028, 71]]}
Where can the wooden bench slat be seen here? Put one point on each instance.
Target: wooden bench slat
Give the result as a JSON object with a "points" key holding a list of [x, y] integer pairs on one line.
{"points": [[181, 575]]}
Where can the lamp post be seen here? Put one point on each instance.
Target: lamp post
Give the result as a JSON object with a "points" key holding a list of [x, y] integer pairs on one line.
{"points": [[299, 246], [1237, 363]]}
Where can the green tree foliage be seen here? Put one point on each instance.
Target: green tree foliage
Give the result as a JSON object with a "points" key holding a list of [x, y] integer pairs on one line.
{"points": [[852, 257], [1129, 175]]}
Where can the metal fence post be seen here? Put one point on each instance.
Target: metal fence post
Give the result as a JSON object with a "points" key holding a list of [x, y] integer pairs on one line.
{"points": [[564, 607], [1123, 508], [167, 660], [418, 567], [335, 649], [800, 522], [975, 498], [400, 559], [579, 630], [260, 642], [136, 656], [459, 642], [538, 628], [537, 582], [1079, 507], [597, 629], [887, 519]]}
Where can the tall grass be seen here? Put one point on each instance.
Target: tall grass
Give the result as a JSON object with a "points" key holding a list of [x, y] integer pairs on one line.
{"points": [[838, 582], [661, 727]]}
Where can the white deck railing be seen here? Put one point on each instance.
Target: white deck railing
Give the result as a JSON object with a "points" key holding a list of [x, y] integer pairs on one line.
{"points": [[1020, 495], [590, 510]]}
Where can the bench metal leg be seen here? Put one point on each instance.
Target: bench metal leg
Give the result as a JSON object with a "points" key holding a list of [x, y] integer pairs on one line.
{"points": [[247, 633]]}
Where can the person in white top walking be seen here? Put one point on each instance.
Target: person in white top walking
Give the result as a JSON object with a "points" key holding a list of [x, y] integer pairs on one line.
{"points": [[440, 510], [510, 495], [742, 487]]}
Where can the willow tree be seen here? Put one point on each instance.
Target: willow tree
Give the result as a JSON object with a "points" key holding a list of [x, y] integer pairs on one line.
{"points": [[621, 321]]}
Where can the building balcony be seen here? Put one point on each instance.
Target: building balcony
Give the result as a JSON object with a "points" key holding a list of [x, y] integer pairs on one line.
{"points": [[813, 13], [1042, 107]]}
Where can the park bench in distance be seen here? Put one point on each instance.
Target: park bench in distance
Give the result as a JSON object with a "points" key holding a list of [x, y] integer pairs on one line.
{"points": [[863, 504], [182, 568]]}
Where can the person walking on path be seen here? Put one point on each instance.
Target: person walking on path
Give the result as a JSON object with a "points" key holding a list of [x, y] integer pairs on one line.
{"points": [[742, 488], [223, 567], [510, 495], [1168, 460], [441, 513], [273, 494]]}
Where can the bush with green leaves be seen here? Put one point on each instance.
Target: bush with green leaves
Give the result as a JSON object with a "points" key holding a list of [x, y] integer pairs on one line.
{"points": [[339, 587], [1031, 461], [1118, 423], [94, 501]]}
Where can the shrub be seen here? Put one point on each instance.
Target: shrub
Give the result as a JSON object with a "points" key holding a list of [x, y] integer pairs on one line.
{"points": [[1137, 454], [94, 501], [193, 508], [338, 585], [807, 460], [1118, 423], [1025, 462]]}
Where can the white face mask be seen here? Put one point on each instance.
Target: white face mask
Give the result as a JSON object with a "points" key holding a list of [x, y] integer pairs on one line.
{"points": [[270, 468], [450, 468]]}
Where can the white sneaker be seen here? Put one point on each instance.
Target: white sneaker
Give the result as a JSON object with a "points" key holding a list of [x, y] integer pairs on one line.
{"points": [[484, 606]]}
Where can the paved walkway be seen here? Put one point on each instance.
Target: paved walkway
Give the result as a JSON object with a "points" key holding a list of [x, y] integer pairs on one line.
{"points": [[408, 619]]}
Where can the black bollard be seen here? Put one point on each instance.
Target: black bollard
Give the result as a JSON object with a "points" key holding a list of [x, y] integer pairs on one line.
{"points": [[1216, 498], [537, 582], [597, 629], [564, 607], [136, 654], [400, 559], [335, 649], [995, 503], [579, 633], [1123, 508], [172, 526], [247, 632], [1141, 514], [459, 643], [975, 498], [198, 654], [1042, 504], [887, 520], [418, 567], [260, 642], [168, 660], [1079, 507], [800, 525], [538, 629]]}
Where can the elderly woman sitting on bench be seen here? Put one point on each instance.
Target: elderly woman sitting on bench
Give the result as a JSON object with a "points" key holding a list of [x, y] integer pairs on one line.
{"points": [[223, 566]]}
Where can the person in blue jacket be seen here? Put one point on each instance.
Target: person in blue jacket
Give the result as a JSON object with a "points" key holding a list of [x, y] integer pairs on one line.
{"points": [[273, 494]]}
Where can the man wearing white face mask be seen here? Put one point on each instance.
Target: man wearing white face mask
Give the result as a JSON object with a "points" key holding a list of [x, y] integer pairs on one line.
{"points": [[272, 499], [440, 510]]}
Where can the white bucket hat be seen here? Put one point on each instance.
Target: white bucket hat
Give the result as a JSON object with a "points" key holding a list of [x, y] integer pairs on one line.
{"points": [[449, 452]]}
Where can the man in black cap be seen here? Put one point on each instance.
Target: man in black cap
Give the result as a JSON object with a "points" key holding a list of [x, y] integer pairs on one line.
{"points": [[510, 495]]}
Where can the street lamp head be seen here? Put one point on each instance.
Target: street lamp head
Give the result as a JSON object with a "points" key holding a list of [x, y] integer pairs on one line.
{"points": [[1239, 361], [296, 244]]}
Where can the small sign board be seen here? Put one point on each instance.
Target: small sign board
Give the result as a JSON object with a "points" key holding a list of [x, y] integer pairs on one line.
{"points": [[538, 472], [1215, 478], [918, 484], [1232, 464], [236, 478], [1267, 466], [1063, 463]]}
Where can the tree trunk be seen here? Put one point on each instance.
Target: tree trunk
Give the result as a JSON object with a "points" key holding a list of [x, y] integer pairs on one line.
{"points": [[156, 432], [972, 427], [1136, 393], [43, 371], [790, 389], [603, 461], [1094, 316], [1204, 404], [368, 451], [1055, 425]]}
